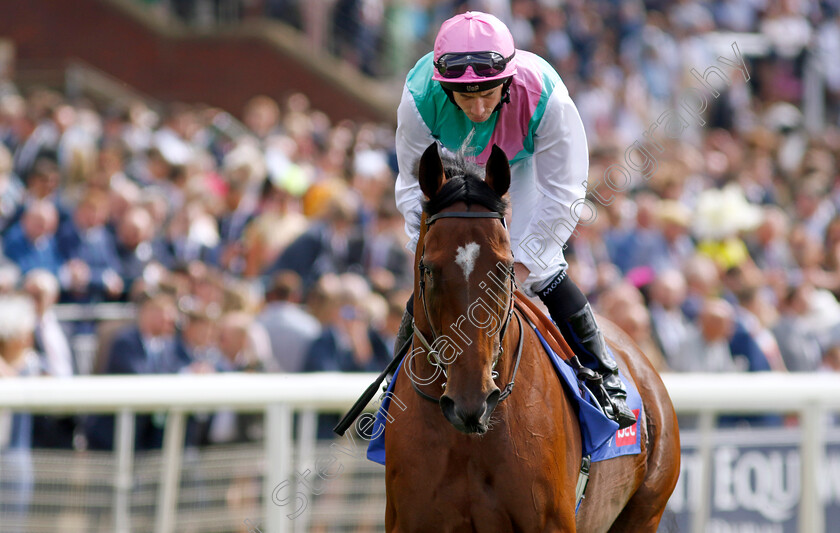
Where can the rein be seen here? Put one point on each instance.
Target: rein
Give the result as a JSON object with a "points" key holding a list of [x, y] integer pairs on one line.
{"points": [[431, 353]]}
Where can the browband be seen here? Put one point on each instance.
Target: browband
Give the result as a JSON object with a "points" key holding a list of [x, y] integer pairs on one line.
{"points": [[463, 214]]}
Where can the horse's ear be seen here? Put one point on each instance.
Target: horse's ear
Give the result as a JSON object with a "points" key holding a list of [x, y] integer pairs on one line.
{"points": [[497, 171], [431, 173]]}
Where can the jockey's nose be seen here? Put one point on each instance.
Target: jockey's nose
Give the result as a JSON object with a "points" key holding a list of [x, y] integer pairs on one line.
{"points": [[470, 419]]}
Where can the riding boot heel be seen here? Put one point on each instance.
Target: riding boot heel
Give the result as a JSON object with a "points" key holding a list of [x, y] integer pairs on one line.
{"points": [[582, 332]]}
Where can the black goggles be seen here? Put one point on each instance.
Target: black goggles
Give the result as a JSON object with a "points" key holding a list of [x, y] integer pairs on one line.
{"points": [[484, 64]]}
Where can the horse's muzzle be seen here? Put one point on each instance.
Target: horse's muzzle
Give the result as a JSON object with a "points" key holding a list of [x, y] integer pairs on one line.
{"points": [[470, 420]]}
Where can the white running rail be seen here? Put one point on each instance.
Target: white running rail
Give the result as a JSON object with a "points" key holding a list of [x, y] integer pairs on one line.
{"points": [[280, 395]]}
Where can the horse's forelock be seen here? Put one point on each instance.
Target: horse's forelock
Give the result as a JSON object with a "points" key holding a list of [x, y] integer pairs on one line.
{"points": [[457, 165], [465, 183]]}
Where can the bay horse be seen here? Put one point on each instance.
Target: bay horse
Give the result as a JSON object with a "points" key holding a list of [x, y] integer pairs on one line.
{"points": [[469, 461]]}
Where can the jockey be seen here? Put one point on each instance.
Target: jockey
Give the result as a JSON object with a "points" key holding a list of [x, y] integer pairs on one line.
{"points": [[476, 90]]}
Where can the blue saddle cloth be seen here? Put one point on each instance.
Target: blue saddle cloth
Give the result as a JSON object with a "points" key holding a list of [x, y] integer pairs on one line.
{"points": [[600, 436]]}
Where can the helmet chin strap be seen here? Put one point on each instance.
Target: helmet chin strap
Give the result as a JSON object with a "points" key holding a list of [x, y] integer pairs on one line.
{"points": [[505, 95]]}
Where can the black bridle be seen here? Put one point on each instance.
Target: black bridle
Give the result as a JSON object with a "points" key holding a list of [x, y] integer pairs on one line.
{"points": [[432, 355]]}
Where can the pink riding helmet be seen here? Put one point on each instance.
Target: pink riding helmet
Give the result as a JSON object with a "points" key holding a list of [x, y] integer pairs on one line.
{"points": [[474, 31]]}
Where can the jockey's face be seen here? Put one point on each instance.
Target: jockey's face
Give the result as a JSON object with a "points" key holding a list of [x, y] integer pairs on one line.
{"points": [[479, 106]]}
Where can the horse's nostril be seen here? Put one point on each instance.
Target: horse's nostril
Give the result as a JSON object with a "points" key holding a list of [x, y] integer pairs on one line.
{"points": [[469, 420], [447, 405], [492, 401]]}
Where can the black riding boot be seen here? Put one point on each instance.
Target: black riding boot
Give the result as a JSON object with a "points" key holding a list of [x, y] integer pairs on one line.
{"points": [[403, 335], [582, 333], [572, 313]]}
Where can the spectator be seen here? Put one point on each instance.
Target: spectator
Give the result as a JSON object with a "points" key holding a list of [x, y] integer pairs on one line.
{"points": [[290, 328], [813, 259], [45, 136], [205, 285], [11, 191], [50, 341], [236, 343], [623, 303], [137, 246], [196, 343], [147, 347], [55, 357], [832, 250], [91, 248], [278, 223], [14, 126], [768, 244], [31, 243], [788, 32], [702, 282], [17, 358], [670, 325], [333, 246], [798, 342], [674, 220], [719, 219], [757, 315], [237, 355], [244, 168], [122, 197], [42, 183], [814, 208], [262, 116], [386, 262], [192, 234], [347, 343], [707, 347]]}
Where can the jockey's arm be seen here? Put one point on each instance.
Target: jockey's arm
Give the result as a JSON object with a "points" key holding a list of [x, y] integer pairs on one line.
{"points": [[560, 166], [412, 139]]}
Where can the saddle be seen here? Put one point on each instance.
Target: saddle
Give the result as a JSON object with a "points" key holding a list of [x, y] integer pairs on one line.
{"points": [[555, 340], [544, 324]]}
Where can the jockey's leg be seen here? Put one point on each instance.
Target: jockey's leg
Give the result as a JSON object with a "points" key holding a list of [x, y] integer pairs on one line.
{"points": [[403, 334], [572, 313]]}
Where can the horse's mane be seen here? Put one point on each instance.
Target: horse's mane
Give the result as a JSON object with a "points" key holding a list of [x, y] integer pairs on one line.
{"points": [[465, 183]]}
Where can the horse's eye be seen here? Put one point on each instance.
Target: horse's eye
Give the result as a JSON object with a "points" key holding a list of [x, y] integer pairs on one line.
{"points": [[429, 271]]}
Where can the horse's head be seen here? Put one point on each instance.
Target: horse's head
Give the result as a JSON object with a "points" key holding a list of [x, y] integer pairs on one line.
{"points": [[464, 288]]}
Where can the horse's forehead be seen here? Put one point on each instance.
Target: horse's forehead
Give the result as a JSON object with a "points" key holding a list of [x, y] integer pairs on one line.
{"points": [[466, 242], [465, 258], [468, 250]]}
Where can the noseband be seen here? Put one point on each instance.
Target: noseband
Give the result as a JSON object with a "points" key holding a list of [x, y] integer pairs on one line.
{"points": [[432, 355]]}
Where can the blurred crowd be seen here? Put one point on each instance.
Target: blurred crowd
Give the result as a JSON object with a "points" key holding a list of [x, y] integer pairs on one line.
{"points": [[270, 242], [597, 46], [724, 256]]}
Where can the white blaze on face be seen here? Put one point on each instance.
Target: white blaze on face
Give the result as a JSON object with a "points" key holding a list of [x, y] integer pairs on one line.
{"points": [[466, 258]]}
